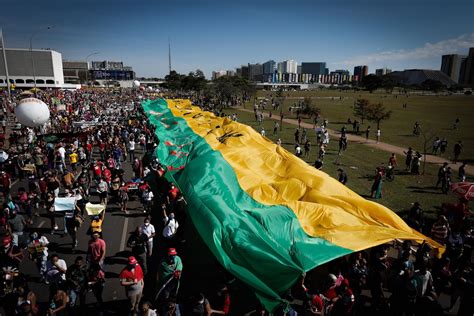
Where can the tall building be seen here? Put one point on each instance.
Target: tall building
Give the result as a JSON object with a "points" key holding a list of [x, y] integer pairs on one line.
{"points": [[382, 71], [217, 74], [230, 73], [269, 67], [360, 72], [467, 69], [451, 65], [287, 67], [298, 69], [245, 72], [291, 66], [255, 72], [313, 68]]}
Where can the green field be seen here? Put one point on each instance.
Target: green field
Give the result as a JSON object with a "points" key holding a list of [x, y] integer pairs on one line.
{"points": [[436, 114], [359, 162]]}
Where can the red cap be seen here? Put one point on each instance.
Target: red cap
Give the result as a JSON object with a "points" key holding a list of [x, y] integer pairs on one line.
{"points": [[172, 252], [132, 260], [6, 240]]}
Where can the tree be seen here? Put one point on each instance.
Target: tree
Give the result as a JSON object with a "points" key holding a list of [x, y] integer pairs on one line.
{"points": [[371, 82], [377, 113], [388, 83], [432, 85], [308, 108], [360, 109], [174, 81]]}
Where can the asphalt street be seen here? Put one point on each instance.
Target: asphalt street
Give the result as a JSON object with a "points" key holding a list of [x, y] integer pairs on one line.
{"points": [[116, 229]]}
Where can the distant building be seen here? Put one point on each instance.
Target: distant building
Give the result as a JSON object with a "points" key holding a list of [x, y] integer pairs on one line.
{"points": [[382, 71], [218, 74], [110, 70], [255, 72], [269, 67], [287, 67], [25, 66], [451, 65], [467, 69], [245, 72], [75, 71], [361, 71], [230, 73], [298, 70], [313, 68], [342, 72], [416, 77]]}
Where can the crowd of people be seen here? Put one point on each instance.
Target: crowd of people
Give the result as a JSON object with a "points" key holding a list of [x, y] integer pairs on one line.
{"points": [[98, 149]]}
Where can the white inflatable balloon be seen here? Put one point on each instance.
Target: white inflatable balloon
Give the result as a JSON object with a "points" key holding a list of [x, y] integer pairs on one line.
{"points": [[32, 112], [150, 88], [136, 83]]}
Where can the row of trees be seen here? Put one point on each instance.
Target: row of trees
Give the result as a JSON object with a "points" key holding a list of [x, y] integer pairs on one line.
{"points": [[372, 112], [224, 91], [194, 81]]}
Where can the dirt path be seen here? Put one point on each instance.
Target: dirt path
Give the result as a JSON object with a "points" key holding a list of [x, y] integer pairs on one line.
{"points": [[372, 143]]}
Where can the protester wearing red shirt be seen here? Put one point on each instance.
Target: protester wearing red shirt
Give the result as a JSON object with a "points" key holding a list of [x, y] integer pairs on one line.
{"points": [[344, 301], [221, 304], [96, 249], [5, 183], [131, 278]]}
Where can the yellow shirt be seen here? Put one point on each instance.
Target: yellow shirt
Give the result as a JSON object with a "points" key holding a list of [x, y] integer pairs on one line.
{"points": [[96, 226], [73, 157]]}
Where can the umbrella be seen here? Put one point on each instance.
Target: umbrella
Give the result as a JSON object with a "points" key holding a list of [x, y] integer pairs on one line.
{"points": [[464, 190]]}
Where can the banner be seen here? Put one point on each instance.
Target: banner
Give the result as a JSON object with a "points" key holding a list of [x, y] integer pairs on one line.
{"points": [[266, 215], [62, 204], [94, 209]]}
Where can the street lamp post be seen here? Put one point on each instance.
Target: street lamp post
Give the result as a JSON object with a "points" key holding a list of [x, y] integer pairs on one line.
{"points": [[5, 63], [31, 53], [87, 65]]}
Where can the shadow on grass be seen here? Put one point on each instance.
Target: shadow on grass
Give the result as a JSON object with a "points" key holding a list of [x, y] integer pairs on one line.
{"points": [[427, 190]]}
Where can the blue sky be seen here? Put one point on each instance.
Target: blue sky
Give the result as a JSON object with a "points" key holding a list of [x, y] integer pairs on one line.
{"points": [[214, 35]]}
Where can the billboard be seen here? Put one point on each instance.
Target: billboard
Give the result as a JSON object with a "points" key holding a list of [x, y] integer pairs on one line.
{"points": [[112, 75]]}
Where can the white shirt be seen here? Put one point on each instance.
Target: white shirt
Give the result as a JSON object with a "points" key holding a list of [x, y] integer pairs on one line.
{"points": [[148, 230], [148, 196], [52, 272], [131, 145], [171, 226], [62, 152]]}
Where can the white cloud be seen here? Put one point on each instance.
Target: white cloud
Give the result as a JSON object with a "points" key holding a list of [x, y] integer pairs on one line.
{"points": [[449, 46]]}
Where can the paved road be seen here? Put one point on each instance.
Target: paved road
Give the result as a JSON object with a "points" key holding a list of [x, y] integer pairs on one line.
{"points": [[371, 143], [116, 229]]}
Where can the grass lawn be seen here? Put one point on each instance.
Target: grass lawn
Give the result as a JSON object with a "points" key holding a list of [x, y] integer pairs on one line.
{"points": [[436, 114], [359, 162]]}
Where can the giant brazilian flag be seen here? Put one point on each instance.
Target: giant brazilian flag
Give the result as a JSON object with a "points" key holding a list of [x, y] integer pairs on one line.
{"points": [[266, 215]]}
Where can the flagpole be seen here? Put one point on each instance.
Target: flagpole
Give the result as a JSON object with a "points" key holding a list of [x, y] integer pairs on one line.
{"points": [[5, 64]]}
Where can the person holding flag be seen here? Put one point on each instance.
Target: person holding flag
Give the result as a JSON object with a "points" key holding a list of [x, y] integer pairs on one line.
{"points": [[169, 273]]}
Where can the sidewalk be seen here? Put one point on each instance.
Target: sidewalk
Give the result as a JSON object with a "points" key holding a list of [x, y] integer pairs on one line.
{"points": [[371, 143]]}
